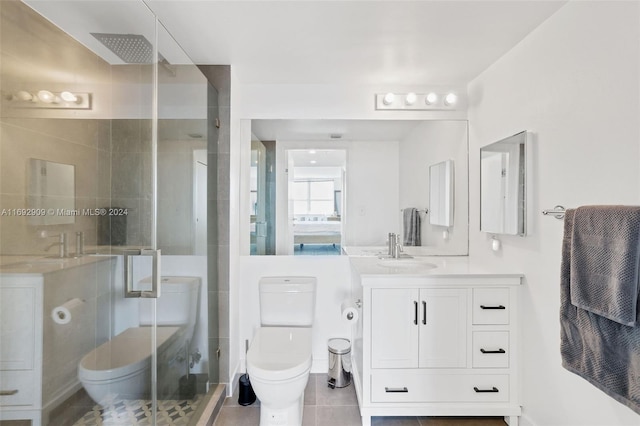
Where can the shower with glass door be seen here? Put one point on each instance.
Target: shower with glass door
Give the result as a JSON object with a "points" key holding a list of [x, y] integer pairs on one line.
{"points": [[104, 144]]}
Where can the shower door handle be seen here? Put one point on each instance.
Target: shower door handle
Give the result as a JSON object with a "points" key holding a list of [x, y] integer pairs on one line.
{"points": [[129, 292]]}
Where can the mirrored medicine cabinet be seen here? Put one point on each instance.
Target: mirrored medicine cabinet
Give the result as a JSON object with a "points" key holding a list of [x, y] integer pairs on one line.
{"points": [[503, 188], [51, 188], [441, 193]]}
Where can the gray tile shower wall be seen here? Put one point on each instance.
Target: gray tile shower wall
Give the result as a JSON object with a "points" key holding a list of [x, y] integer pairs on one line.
{"points": [[219, 77]]}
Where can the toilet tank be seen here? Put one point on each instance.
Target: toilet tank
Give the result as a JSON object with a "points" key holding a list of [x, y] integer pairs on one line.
{"points": [[177, 304], [287, 301]]}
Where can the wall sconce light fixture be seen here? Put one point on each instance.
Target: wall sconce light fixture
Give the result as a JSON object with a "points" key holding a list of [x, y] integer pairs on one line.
{"points": [[49, 100], [417, 101]]}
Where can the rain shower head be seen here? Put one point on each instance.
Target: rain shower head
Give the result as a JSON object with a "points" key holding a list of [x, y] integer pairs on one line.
{"points": [[131, 48]]}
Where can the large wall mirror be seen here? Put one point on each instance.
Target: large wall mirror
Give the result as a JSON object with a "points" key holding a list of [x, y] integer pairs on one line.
{"points": [[503, 186], [314, 186]]}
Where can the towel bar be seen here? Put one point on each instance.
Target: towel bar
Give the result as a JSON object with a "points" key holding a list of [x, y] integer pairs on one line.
{"points": [[419, 210], [557, 212]]}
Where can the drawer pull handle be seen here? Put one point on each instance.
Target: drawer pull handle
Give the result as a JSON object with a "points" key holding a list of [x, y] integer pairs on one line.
{"points": [[415, 318], [499, 351], [396, 390], [492, 390], [8, 392], [492, 307], [424, 312]]}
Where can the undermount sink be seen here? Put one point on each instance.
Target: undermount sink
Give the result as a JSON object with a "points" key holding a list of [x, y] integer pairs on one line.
{"points": [[407, 263]]}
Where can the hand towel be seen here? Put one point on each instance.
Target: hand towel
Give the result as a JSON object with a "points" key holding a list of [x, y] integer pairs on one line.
{"points": [[605, 260], [411, 227]]}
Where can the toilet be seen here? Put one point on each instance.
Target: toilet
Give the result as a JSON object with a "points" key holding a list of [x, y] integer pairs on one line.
{"points": [[279, 357], [121, 367]]}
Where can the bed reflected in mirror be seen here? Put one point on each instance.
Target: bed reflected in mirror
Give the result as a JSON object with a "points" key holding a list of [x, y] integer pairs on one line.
{"points": [[315, 196]]}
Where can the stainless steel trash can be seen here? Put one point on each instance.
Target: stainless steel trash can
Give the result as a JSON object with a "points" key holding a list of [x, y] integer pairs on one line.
{"points": [[339, 363]]}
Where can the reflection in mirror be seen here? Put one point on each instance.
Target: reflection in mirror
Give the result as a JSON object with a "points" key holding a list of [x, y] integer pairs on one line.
{"points": [[258, 187], [384, 171], [441, 193], [502, 186], [51, 190], [315, 197]]}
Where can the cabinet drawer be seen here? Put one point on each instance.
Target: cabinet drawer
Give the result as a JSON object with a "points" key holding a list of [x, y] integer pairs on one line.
{"points": [[491, 349], [418, 386], [17, 387], [491, 306]]}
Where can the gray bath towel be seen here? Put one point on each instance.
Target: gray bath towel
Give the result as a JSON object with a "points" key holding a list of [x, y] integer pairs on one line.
{"points": [[601, 351], [411, 227], [605, 260]]}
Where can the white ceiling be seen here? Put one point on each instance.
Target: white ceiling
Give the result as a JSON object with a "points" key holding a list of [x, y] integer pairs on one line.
{"points": [[324, 42]]}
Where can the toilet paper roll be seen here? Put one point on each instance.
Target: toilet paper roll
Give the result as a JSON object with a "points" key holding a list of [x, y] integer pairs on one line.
{"points": [[62, 314], [349, 311]]}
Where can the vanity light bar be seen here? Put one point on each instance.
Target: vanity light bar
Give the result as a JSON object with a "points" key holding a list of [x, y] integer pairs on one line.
{"points": [[416, 101], [45, 99]]}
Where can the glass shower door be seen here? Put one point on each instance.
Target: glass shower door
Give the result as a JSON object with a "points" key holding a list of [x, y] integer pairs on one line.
{"points": [[138, 143]]}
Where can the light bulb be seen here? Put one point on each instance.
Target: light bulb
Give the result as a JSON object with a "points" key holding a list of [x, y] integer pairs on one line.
{"points": [[388, 98], [46, 96], [411, 98], [431, 99], [450, 99], [68, 97], [23, 95]]}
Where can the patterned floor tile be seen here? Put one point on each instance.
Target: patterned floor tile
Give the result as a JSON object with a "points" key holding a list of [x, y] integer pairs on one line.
{"points": [[138, 412]]}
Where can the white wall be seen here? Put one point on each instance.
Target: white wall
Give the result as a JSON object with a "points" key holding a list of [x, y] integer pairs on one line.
{"points": [[429, 143], [333, 287], [372, 192], [574, 83]]}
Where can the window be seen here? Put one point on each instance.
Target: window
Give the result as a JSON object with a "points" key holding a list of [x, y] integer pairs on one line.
{"points": [[313, 197]]}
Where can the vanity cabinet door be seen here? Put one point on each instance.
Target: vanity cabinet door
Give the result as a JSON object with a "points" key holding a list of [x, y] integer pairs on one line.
{"points": [[17, 327], [394, 328], [443, 328]]}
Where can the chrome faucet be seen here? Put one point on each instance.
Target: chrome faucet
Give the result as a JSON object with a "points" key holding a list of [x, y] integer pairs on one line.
{"points": [[62, 244], [392, 243], [397, 250], [79, 243]]}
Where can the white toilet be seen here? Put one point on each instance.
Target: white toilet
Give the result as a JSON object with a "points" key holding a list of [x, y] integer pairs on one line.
{"points": [[279, 358], [122, 366]]}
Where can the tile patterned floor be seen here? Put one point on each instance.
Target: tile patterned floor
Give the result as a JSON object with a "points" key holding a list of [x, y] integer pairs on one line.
{"points": [[138, 412], [331, 407]]}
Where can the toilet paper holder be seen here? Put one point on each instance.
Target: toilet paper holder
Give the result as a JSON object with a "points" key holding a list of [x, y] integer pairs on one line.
{"points": [[358, 304]]}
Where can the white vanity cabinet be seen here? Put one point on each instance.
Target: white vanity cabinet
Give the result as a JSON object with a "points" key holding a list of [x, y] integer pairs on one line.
{"points": [[39, 358], [420, 328], [442, 344], [21, 348]]}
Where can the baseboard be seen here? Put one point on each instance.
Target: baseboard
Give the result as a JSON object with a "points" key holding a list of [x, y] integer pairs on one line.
{"points": [[233, 377], [526, 421]]}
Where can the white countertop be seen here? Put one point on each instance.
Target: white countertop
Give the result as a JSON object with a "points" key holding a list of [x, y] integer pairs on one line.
{"points": [[42, 265], [369, 251], [428, 266]]}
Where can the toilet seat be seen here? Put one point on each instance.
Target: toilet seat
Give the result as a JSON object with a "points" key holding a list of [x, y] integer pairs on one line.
{"points": [[279, 353], [124, 355]]}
